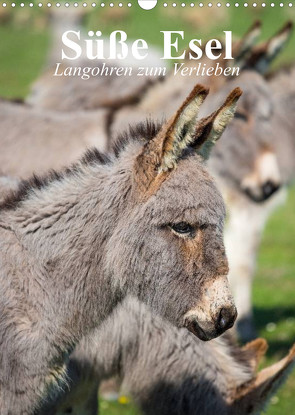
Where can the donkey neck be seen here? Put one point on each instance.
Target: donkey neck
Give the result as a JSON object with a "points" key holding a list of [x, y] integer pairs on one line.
{"points": [[64, 228]]}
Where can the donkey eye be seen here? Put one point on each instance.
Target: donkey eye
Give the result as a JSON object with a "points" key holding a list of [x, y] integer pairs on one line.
{"points": [[182, 227]]}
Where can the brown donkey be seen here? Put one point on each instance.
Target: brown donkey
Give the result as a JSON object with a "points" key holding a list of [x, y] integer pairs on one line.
{"points": [[146, 222]]}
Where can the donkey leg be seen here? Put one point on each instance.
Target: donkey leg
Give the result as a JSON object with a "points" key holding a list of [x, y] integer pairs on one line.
{"points": [[242, 239]]}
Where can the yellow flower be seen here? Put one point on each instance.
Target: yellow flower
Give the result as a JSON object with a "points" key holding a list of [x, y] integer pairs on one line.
{"points": [[124, 400]]}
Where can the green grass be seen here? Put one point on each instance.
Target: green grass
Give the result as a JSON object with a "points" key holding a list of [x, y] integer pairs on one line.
{"points": [[22, 54], [23, 50], [274, 294], [115, 408]]}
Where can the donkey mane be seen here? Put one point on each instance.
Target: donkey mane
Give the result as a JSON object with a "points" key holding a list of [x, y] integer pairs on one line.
{"points": [[16, 197], [142, 132]]}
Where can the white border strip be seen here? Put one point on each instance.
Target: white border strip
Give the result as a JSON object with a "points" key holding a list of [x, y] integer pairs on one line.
{"points": [[172, 4]]}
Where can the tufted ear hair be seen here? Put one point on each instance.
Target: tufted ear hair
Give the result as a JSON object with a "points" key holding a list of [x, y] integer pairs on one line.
{"points": [[163, 152], [262, 56], [243, 47], [211, 128], [182, 133], [201, 135]]}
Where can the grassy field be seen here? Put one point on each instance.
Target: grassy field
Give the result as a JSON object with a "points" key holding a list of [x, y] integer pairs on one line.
{"points": [[24, 43]]}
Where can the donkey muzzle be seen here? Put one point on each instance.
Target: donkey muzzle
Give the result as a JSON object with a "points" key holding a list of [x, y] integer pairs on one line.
{"points": [[265, 178], [194, 327], [205, 331], [263, 192], [226, 318], [215, 311]]}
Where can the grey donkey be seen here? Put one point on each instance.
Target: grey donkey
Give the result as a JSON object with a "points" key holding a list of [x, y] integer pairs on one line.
{"points": [[167, 370], [245, 165], [147, 222]]}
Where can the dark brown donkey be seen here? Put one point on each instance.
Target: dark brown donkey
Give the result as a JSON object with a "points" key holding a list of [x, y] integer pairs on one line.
{"points": [[146, 222]]}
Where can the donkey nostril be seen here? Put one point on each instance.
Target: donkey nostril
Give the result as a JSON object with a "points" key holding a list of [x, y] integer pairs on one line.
{"points": [[226, 319], [261, 193], [222, 319], [222, 322], [269, 188]]}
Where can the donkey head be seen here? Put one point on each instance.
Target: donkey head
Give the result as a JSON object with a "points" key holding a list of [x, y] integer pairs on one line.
{"points": [[258, 109], [169, 249], [247, 158]]}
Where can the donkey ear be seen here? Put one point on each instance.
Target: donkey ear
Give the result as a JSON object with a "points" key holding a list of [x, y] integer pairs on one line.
{"points": [[247, 42], [181, 129], [263, 55], [211, 128], [253, 397], [162, 153]]}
